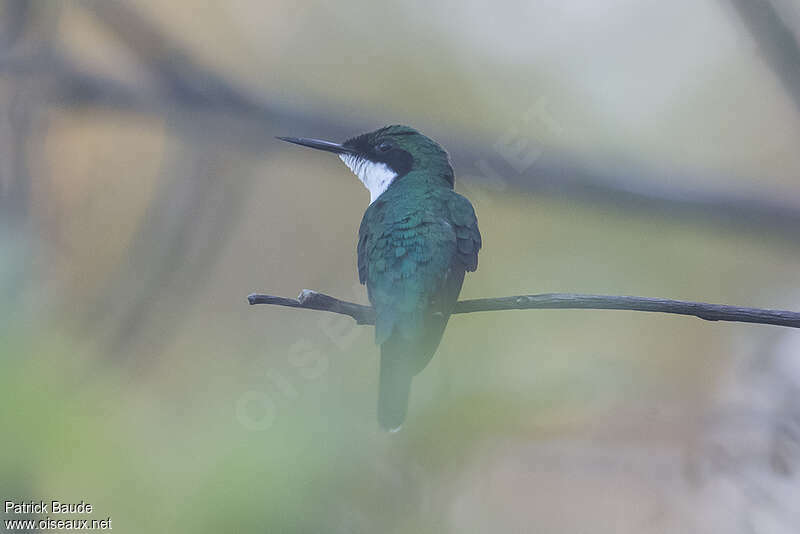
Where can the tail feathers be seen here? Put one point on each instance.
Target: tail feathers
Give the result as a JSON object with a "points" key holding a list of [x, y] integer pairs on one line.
{"points": [[402, 358], [394, 388]]}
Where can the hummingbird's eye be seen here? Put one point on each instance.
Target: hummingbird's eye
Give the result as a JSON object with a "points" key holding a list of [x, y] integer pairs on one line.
{"points": [[385, 146]]}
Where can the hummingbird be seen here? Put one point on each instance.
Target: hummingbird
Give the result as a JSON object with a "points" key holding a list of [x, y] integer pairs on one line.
{"points": [[416, 241]]}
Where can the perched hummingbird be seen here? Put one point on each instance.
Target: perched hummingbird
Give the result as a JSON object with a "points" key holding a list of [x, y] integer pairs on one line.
{"points": [[417, 239]]}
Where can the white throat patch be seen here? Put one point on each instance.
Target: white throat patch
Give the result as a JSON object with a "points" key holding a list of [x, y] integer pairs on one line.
{"points": [[375, 176]]}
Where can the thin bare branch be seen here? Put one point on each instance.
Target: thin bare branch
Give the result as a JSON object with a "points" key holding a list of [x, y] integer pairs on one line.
{"points": [[312, 300]]}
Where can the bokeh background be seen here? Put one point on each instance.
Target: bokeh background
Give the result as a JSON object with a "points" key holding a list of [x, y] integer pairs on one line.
{"points": [[616, 146]]}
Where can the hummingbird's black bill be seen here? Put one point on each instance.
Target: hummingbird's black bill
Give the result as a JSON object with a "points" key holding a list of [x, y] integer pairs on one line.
{"points": [[319, 144]]}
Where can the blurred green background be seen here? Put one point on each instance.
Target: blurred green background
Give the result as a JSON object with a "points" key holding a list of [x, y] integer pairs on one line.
{"points": [[619, 147]]}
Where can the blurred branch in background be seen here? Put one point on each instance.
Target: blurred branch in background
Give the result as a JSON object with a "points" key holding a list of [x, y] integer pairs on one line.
{"points": [[312, 300], [17, 107], [184, 86], [21, 122], [776, 42]]}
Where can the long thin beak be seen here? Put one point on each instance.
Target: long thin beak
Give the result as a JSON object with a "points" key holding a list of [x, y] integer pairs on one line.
{"points": [[319, 144]]}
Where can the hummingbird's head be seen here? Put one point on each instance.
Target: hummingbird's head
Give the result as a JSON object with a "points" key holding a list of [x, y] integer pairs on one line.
{"points": [[388, 154]]}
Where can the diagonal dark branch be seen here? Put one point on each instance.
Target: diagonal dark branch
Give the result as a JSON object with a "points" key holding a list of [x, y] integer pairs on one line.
{"points": [[311, 300], [776, 42]]}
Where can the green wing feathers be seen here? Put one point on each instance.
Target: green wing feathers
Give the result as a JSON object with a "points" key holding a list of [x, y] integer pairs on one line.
{"points": [[467, 234]]}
